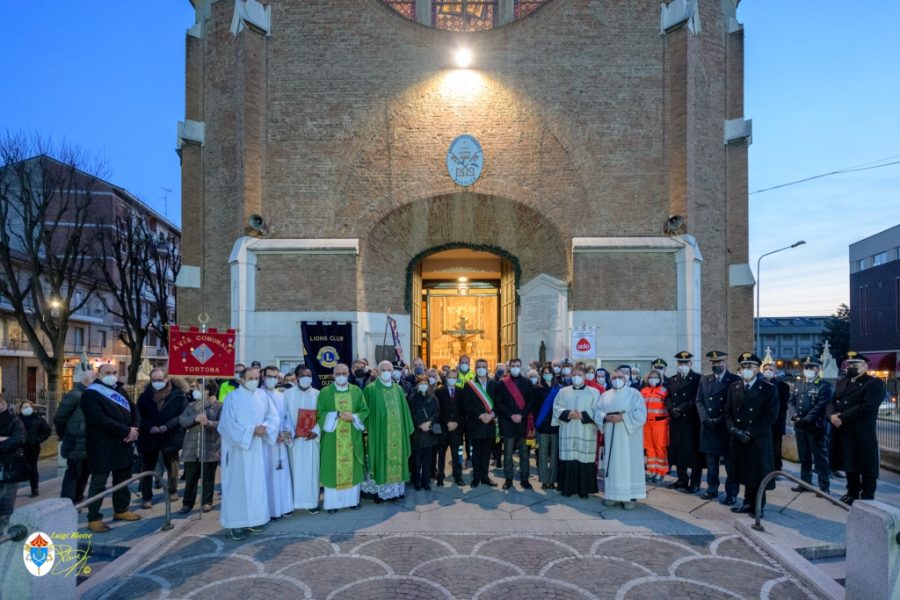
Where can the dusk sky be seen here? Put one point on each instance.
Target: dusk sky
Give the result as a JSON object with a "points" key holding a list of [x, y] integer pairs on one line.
{"points": [[822, 87]]}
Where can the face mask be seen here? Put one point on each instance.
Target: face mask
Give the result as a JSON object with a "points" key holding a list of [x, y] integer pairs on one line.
{"points": [[556, 370], [514, 371], [271, 382], [769, 374], [252, 384], [578, 380], [464, 368], [196, 394], [360, 373], [110, 380], [451, 381], [566, 370], [395, 375], [341, 380], [852, 371], [238, 374], [548, 377], [809, 374], [653, 382], [419, 370], [481, 371], [748, 374], [534, 380], [158, 385], [386, 376], [618, 383], [305, 382], [432, 380], [684, 369], [422, 387], [718, 369], [27, 411]]}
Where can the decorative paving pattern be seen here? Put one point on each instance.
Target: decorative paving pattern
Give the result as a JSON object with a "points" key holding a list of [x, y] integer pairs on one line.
{"points": [[459, 566]]}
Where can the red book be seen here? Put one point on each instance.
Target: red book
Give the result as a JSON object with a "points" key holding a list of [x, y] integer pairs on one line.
{"points": [[306, 421]]}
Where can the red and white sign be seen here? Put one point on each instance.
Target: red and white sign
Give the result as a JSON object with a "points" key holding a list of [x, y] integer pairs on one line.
{"points": [[584, 343], [195, 353]]}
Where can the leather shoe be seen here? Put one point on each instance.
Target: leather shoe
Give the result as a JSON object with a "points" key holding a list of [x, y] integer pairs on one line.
{"points": [[475, 483], [847, 499], [729, 500], [526, 485], [98, 527], [489, 483], [459, 482], [507, 484], [185, 510], [691, 489], [742, 509], [798, 488], [126, 516], [710, 496], [677, 485]]}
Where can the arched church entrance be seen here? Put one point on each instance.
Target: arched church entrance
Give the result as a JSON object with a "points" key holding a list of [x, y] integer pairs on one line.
{"points": [[466, 304]]}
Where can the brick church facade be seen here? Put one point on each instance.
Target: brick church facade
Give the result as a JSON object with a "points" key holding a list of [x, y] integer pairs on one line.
{"points": [[598, 120]]}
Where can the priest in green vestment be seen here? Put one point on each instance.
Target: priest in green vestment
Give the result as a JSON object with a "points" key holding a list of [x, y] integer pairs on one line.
{"points": [[389, 425], [341, 412]]}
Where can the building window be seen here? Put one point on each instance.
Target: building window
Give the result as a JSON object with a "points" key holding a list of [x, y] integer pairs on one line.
{"points": [[101, 339], [465, 15], [897, 302], [861, 264], [863, 310], [880, 258], [78, 334]]}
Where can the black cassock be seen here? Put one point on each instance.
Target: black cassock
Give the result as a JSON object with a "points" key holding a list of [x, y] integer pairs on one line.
{"points": [[754, 411], [854, 445], [684, 423]]}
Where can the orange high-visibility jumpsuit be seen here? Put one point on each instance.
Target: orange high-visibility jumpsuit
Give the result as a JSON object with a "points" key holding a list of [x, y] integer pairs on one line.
{"points": [[656, 430]]}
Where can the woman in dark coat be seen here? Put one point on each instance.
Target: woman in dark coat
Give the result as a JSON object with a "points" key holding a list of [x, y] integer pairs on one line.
{"points": [[161, 406], [425, 411], [37, 430], [12, 440]]}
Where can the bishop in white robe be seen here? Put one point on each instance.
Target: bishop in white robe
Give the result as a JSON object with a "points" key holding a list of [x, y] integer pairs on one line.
{"points": [[278, 468], [248, 423], [573, 411], [304, 452], [622, 412]]}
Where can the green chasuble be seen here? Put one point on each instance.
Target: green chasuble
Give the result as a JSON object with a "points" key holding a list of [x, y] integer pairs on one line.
{"points": [[389, 427], [341, 452]]}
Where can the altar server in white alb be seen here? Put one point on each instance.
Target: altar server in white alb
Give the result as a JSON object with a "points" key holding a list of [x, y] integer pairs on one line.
{"points": [[301, 408], [622, 412], [278, 467], [248, 423]]}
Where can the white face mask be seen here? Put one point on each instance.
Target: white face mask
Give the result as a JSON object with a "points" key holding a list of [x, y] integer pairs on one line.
{"points": [[271, 382], [395, 375], [196, 394], [618, 383], [481, 371], [514, 371], [769, 374], [684, 369], [432, 380], [340, 380], [386, 376], [566, 370], [534, 380], [305, 382], [578, 380], [158, 385], [556, 370], [653, 382], [27, 411], [422, 387], [110, 380], [590, 376], [251, 384], [464, 368], [748, 374], [451, 382], [809, 374]]}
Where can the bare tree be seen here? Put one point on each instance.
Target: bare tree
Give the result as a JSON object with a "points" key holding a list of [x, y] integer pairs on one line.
{"points": [[164, 265], [48, 241]]}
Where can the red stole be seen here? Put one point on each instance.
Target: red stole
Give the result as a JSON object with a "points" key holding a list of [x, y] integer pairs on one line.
{"points": [[516, 394]]}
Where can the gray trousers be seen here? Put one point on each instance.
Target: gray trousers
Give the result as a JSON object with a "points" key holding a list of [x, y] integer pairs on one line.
{"points": [[548, 452], [509, 447], [8, 491]]}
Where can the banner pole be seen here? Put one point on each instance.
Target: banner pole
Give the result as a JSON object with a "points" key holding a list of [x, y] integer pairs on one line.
{"points": [[203, 319], [387, 320]]}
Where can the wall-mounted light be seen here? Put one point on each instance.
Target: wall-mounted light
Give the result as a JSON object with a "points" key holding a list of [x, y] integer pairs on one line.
{"points": [[463, 57]]}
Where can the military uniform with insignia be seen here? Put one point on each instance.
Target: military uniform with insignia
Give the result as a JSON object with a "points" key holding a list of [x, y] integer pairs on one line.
{"points": [[715, 441], [684, 425], [810, 399]]}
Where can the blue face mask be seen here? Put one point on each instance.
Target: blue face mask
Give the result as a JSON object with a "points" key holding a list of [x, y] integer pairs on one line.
{"points": [[548, 377]]}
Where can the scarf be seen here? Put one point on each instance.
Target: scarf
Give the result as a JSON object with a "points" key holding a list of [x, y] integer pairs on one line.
{"points": [[159, 397]]}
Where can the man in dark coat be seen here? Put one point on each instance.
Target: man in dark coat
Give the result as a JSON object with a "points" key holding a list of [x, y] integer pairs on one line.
{"points": [[715, 441], [684, 425], [69, 424], [750, 411], [854, 440], [160, 405], [516, 412], [111, 428], [811, 397], [479, 399], [779, 428], [453, 419]]}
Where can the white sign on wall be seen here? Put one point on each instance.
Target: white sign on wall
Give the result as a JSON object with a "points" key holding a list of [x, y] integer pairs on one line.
{"points": [[584, 343]]}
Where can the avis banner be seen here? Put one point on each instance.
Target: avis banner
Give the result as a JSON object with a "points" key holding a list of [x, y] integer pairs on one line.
{"points": [[195, 353]]}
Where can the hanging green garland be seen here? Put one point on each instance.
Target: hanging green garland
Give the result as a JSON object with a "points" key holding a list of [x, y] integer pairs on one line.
{"points": [[411, 267]]}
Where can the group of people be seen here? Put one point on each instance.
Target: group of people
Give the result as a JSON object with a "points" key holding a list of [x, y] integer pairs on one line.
{"points": [[372, 433]]}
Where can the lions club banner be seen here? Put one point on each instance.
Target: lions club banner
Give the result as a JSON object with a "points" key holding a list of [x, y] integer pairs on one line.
{"points": [[584, 343], [196, 353], [324, 346]]}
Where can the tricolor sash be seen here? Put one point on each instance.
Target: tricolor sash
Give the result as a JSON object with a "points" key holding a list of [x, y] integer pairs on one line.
{"points": [[482, 395], [111, 394], [516, 394]]}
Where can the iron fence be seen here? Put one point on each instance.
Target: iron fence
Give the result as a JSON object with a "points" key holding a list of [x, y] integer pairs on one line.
{"points": [[888, 423]]}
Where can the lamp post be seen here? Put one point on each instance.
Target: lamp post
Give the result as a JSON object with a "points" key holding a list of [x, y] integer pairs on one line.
{"points": [[758, 265]]}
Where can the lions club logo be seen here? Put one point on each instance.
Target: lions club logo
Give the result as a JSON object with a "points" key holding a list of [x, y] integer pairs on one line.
{"points": [[328, 357], [38, 554]]}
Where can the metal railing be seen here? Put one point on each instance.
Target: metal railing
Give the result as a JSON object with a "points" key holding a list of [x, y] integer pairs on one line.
{"points": [[757, 525], [15, 533], [167, 525]]}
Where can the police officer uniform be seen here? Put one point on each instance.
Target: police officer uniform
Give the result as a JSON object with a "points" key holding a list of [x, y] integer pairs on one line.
{"points": [[684, 427], [810, 400], [715, 442]]}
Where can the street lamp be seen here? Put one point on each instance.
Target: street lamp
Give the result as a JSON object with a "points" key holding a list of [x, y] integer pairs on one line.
{"points": [[757, 336]]}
